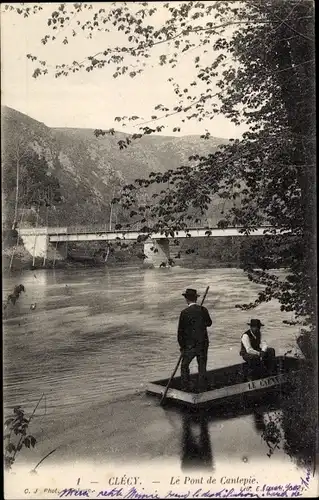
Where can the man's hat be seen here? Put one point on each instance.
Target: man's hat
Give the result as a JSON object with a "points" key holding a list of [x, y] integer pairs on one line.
{"points": [[190, 293], [255, 322]]}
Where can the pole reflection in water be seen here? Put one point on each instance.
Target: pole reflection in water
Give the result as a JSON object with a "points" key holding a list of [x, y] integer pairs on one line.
{"points": [[196, 450]]}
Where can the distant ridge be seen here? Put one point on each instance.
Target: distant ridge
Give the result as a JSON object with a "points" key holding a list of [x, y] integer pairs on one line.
{"points": [[221, 140]]}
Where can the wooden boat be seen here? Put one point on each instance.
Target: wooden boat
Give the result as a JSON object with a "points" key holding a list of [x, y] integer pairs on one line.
{"points": [[230, 382]]}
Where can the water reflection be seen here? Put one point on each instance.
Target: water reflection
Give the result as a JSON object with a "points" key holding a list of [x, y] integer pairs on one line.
{"points": [[196, 450], [259, 421], [262, 427], [292, 428]]}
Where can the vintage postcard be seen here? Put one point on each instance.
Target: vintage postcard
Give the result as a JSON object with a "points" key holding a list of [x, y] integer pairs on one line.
{"points": [[159, 249]]}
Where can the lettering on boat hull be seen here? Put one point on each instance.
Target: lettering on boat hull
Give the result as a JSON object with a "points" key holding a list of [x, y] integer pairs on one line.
{"points": [[224, 392], [265, 382]]}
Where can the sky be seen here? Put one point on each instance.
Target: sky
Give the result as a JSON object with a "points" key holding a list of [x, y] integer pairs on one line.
{"points": [[88, 100]]}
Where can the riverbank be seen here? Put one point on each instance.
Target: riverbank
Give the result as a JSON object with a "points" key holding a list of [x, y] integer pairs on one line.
{"points": [[22, 260], [199, 253]]}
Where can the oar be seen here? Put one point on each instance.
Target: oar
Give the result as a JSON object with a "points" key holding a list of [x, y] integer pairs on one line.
{"points": [[180, 358]]}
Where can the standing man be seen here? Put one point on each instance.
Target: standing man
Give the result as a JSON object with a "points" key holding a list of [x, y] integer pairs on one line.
{"points": [[255, 351], [192, 338]]}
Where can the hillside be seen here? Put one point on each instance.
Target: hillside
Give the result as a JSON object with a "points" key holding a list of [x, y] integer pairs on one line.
{"points": [[90, 169]]}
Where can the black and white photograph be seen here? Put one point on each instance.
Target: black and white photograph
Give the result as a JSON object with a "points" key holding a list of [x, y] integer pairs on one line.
{"points": [[159, 262]]}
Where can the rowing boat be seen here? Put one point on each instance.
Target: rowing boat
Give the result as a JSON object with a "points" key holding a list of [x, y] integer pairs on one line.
{"points": [[230, 382]]}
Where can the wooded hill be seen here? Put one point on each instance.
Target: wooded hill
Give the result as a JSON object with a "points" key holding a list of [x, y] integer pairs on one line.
{"points": [[90, 170]]}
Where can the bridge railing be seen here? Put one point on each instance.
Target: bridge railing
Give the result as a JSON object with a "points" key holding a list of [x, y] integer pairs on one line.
{"points": [[104, 228], [137, 226], [95, 228]]}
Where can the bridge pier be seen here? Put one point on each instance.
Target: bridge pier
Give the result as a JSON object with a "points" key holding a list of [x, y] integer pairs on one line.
{"points": [[37, 242], [156, 252]]}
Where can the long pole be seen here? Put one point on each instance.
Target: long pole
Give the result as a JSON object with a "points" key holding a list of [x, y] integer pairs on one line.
{"points": [[179, 359]]}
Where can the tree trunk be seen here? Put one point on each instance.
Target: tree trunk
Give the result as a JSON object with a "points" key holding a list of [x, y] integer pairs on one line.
{"points": [[296, 78], [17, 193], [35, 238], [107, 254], [47, 223], [16, 245], [54, 256], [110, 220]]}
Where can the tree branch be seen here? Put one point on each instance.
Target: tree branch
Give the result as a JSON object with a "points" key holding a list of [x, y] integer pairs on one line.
{"points": [[283, 21]]}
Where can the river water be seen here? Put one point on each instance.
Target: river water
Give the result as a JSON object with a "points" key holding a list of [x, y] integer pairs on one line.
{"points": [[115, 329], [83, 336]]}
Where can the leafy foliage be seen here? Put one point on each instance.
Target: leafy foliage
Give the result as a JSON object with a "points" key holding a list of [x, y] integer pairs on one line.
{"points": [[16, 436], [293, 427], [255, 64], [13, 297]]}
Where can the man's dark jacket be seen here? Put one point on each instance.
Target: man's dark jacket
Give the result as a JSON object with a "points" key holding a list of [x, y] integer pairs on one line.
{"points": [[192, 326], [254, 342]]}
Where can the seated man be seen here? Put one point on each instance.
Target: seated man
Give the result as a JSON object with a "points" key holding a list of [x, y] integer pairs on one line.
{"points": [[255, 351]]}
